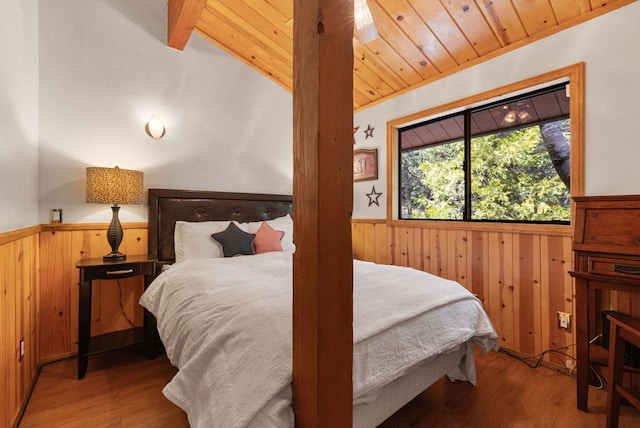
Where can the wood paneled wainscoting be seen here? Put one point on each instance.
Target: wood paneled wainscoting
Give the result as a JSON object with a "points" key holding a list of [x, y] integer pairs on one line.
{"points": [[19, 261], [61, 247], [521, 277]]}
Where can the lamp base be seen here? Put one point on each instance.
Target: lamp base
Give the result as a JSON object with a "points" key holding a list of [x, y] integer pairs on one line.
{"points": [[114, 237], [114, 257]]}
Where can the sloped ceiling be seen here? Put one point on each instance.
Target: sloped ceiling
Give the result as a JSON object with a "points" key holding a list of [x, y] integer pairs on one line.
{"points": [[420, 40]]}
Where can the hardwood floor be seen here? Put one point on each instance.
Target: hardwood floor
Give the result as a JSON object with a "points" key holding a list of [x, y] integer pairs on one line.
{"points": [[123, 389], [508, 394]]}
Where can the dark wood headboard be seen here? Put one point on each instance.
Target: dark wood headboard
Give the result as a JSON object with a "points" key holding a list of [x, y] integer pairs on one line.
{"points": [[166, 206]]}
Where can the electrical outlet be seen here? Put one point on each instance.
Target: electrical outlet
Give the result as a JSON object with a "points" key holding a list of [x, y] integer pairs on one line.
{"points": [[564, 321], [55, 215]]}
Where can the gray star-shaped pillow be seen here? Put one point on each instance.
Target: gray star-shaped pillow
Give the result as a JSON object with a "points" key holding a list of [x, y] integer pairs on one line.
{"points": [[235, 241]]}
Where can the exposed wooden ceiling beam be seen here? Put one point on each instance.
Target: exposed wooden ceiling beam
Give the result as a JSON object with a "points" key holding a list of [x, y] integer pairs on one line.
{"points": [[182, 17]]}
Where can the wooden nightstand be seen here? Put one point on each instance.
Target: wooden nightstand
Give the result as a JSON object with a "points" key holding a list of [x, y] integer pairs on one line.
{"points": [[96, 268]]}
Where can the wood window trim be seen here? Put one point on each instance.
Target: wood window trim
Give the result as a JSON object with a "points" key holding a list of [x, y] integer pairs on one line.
{"points": [[575, 75]]}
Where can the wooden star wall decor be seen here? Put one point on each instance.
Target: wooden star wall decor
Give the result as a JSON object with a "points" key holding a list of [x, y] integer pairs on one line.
{"points": [[373, 196], [369, 131]]}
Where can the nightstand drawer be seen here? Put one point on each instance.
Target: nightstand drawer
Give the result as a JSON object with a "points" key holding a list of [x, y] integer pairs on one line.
{"points": [[91, 269], [122, 270], [624, 268]]}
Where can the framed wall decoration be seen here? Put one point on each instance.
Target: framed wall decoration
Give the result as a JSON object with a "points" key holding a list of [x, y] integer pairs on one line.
{"points": [[365, 164]]}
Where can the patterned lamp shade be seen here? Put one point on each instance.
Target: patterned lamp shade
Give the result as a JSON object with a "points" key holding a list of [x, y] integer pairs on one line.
{"points": [[114, 186]]}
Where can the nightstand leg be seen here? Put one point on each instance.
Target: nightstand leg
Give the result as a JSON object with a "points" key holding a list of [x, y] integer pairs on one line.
{"points": [[582, 346], [150, 327], [84, 327]]}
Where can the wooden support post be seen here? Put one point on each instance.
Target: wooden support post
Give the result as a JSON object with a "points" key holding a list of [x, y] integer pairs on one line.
{"points": [[322, 204]]}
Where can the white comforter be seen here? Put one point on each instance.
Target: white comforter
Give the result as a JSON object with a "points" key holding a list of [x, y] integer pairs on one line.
{"points": [[226, 325]]}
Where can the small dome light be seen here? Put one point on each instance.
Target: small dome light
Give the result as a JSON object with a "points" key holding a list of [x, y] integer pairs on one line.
{"points": [[155, 127]]}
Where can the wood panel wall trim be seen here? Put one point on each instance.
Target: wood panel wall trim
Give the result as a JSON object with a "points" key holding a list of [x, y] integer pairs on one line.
{"points": [[14, 235], [58, 227], [369, 220], [534, 229], [426, 225]]}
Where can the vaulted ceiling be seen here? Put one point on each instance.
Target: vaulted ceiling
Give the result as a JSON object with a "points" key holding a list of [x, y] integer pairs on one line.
{"points": [[420, 40]]}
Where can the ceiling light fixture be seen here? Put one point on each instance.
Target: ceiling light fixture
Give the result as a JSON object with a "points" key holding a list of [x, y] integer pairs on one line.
{"points": [[155, 128], [365, 27]]}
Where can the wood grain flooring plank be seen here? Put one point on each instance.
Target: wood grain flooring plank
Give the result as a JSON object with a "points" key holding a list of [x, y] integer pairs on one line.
{"points": [[123, 389]]}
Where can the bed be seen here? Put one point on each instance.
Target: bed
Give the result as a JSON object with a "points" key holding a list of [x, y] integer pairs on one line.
{"points": [[225, 322]]}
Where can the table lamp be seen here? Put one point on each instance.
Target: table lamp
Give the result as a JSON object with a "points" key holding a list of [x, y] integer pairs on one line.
{"points": [[114, 186]]}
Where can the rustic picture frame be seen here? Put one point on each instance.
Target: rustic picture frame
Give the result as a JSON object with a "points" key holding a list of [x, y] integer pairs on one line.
{"points": [[365, 164]]}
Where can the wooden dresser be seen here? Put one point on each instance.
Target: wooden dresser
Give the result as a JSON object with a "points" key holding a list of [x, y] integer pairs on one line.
{"points": [[606, 246]]}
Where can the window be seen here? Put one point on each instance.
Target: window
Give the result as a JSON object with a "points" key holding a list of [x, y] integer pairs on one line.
{"points": [[504, 161]]}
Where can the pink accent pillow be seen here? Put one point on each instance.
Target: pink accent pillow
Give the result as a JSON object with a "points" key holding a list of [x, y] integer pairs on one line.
{"points": [[267, 239]]}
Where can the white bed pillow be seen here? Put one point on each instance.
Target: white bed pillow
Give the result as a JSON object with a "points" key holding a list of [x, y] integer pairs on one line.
{"points": [[284, 223], [192, 240], [178, 248]]}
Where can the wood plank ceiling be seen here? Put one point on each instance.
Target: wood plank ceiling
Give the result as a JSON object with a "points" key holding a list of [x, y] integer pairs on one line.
{"points": [[420, 40]]}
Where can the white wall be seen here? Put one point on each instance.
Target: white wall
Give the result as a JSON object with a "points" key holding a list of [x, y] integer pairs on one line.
{"points": [[105, 69], [18, 114], [609, 47]]}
